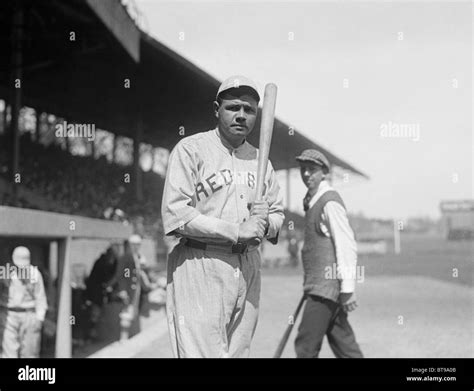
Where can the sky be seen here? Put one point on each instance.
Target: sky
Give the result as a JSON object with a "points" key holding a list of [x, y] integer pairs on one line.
{"points": [[386, 86]]}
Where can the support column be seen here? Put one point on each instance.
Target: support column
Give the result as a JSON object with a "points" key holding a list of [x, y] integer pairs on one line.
{"points": [[4, 119], [53, 273], [67, 143], [138, 180], [396, 237], [39, 115], [114, 147], [16, 92], [153, 161], [92, 143], [63, 329]]}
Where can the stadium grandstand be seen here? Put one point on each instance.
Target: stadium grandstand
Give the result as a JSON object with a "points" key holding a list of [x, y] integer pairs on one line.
{"points": [[88, 63]]}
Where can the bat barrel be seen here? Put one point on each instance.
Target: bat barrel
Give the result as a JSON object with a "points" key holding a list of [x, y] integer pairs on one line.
{"points": [[266, 131]]}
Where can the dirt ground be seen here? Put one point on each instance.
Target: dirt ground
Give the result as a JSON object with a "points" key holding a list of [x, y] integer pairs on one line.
{"points": [[437, 319], [420, 285]]}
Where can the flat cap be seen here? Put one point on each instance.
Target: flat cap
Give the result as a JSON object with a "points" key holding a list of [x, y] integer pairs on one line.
{"points": [[237, 81], [313, 155]]}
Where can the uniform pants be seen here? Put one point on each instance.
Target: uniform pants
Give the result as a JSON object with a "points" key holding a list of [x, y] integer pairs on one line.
{"points": [[212, 302], [324, 317], [20, 334]]}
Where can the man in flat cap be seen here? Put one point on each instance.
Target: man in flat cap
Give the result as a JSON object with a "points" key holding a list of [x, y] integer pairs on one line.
{"points": [[329, 261], [209, 202]]}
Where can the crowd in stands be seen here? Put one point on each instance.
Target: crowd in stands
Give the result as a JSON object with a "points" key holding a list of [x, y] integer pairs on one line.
{"points": [[83, 185]]}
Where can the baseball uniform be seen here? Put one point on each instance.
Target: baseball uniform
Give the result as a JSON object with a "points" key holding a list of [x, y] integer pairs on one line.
{"points": [[213, 292], [23, 307]]}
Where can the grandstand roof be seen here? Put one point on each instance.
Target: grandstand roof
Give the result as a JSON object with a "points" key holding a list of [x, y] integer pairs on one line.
{"points": [[84, 81]]}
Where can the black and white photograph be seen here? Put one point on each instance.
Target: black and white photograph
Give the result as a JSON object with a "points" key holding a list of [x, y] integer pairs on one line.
{"points": [[257, 179]]}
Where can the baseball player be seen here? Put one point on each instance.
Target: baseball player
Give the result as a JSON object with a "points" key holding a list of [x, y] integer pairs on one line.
{"points": [[209, 202], [23, 307], [329, 246]]}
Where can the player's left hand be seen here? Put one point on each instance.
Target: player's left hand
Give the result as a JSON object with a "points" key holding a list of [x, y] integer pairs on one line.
{"points": [[348, 301], [260, 208]]}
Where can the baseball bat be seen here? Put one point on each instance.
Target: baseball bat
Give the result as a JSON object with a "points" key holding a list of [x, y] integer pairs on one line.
{"points": [[266, 132], [285, 337]]}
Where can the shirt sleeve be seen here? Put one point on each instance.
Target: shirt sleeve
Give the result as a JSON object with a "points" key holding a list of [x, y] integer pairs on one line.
{"points": [[275, 200], [178, 207], [40, 298], [345, 245], [211, 227], [179, 198]]}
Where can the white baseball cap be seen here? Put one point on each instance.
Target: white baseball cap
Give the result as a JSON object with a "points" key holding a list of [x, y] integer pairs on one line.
{"points": [[237, 81], [21, 256]]}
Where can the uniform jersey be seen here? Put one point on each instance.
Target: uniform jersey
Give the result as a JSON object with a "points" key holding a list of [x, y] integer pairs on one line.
{"points": [[214, 185]]}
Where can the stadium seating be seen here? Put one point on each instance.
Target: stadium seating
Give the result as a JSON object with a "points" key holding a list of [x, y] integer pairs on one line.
{"points": [[55, 180]]}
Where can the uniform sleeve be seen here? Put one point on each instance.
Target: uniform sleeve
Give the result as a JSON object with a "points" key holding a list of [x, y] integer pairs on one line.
{"points": [[211, 227], [40, 298], [179, 198], [345, 245], [275, 200], [179, 201]]}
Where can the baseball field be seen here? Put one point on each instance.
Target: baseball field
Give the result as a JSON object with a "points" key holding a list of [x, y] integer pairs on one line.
{"points": [[414, 304]]}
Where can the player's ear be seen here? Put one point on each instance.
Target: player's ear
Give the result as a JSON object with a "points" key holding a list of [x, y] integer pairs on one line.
{"points": [[216, 108]]}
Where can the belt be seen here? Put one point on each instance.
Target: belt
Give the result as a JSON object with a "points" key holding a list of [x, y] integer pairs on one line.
{"points": [[239, 248], [18, 309]]}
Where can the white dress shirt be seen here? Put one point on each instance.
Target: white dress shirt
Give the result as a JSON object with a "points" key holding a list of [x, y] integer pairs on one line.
{"points": [[335, 225]]}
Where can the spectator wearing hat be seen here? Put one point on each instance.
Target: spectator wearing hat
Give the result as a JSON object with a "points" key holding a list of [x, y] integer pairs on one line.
{"points": [[23, 308], [329, 246]]}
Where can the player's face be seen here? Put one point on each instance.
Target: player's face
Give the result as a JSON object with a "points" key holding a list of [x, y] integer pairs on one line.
{"points": [[236, 116], [312, 175]]}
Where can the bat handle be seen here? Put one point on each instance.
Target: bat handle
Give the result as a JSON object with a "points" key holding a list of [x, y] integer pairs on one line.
{"points": [[257, 241]]}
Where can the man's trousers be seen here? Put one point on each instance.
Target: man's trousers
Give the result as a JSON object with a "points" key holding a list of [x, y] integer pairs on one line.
{"points": [[324, 317]]}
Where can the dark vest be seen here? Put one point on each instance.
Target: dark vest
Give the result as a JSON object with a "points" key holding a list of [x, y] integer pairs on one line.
{"points": [[318, 252]]}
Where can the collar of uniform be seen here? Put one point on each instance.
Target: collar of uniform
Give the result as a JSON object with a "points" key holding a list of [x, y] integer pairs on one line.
{"points": [[324, 186], [224, 144]]}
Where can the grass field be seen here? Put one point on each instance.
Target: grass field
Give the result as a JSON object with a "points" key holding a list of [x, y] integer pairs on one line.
{"points": [[417, 285], [426, 256]]}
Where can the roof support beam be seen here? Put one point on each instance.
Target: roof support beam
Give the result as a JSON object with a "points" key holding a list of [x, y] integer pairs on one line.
{"points": [[16, 90]]}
